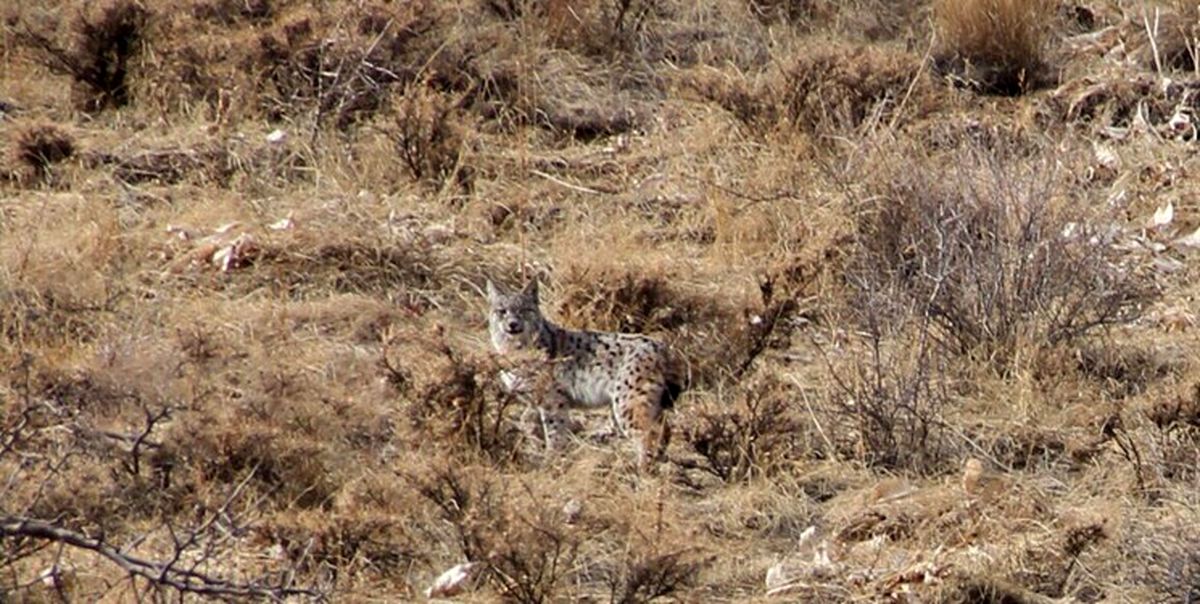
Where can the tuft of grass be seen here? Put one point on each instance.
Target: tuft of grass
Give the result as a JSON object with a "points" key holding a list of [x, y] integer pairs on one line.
{"points": [[997, 46], [829, 88], [39, 146]]}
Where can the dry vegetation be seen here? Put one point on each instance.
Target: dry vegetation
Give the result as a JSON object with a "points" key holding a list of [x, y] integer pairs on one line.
{"points": [[930, 266]]}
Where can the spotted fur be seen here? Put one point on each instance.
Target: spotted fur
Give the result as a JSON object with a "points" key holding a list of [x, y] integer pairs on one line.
{"points": [[630, 374]]}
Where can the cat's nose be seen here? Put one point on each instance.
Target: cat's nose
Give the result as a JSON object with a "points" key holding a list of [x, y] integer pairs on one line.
{"points": [[513, 327]]}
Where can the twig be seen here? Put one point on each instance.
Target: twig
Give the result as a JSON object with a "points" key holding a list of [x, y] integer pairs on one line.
{"points": [[750, 199], [572, 186], [912, 85], [1152, 35], [813, 415]]}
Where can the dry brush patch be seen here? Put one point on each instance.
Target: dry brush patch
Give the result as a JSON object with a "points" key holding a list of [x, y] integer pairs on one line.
{"points": [[265, 358], [995, 254]]}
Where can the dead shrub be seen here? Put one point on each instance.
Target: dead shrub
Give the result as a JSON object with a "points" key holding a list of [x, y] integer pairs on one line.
{"points": [[994, 252], [344, 78], [98, 58], [995, 46], [887, 402], [647, 576], [755, 436], [530, 549], [454, 397], [429, 135], [40, 146]]}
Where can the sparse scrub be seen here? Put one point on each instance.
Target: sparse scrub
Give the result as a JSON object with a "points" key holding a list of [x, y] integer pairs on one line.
{"points": [[887, 407], [997, 46], [939, 346], [995, 254]]}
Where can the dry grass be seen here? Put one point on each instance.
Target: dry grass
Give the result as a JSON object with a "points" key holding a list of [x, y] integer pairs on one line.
{"points": [[997, 45], [938, 342]]}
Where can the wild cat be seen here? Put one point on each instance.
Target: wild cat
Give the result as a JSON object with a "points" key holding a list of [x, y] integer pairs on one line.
{"points": [[631, 374]]}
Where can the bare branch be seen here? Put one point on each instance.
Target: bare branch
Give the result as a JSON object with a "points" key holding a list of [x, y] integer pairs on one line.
{"points": [[157, 573]]}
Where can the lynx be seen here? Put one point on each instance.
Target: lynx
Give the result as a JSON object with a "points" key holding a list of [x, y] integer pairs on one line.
{"points": [[630, 374]]}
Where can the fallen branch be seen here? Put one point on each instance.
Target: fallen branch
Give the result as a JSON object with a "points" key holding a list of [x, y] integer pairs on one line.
{"points": [[161, 574]]}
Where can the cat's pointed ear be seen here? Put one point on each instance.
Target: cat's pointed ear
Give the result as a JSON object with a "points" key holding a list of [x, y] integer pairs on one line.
{"points": [[531, 290], [493, 294]]}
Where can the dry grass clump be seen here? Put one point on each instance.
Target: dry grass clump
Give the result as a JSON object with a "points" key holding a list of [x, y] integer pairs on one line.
{"points": [[828, 88], [997, 46], [39, 146]]}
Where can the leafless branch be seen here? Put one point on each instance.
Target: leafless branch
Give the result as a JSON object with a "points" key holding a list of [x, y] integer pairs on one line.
{"points": [[158, 573]]}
